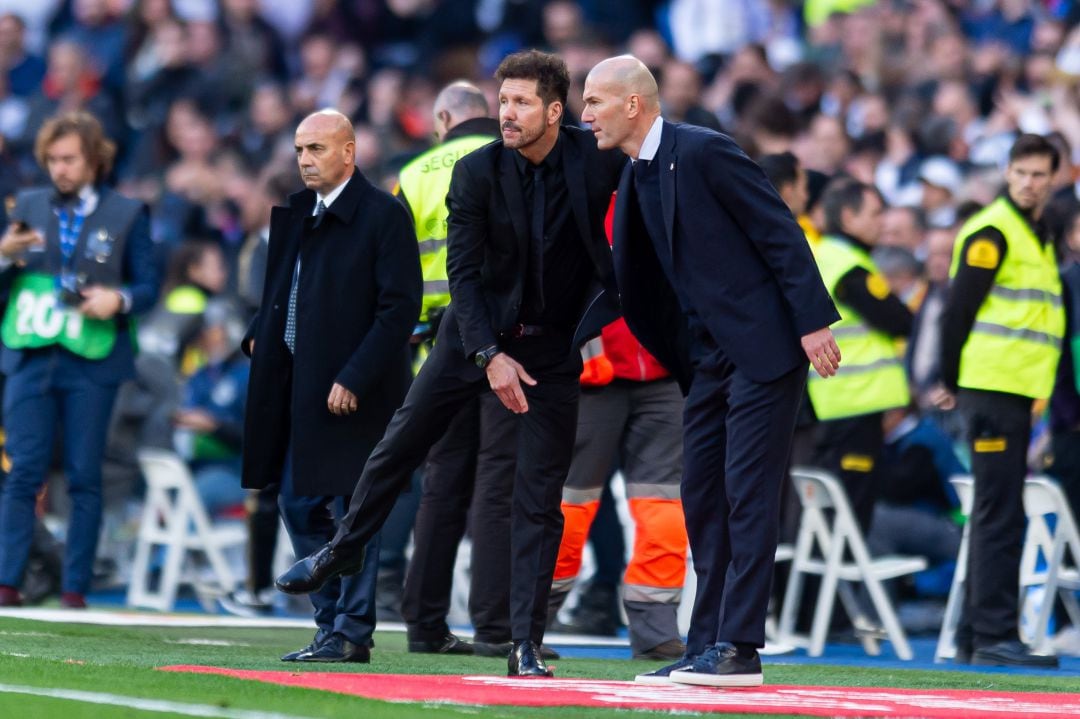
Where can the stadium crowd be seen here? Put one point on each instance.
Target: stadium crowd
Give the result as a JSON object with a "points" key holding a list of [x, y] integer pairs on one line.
{"points": [[890, 122]]}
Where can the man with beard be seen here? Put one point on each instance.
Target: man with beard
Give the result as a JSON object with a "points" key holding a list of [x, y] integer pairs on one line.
{"points": [[530, 279]]}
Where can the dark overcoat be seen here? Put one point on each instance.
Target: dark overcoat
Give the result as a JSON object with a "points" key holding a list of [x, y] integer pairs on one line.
{"points": [[357, 304]]}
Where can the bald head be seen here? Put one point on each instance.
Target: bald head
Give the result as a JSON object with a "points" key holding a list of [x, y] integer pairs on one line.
{"points": [[325, 150], [456, 103], [327, 122], [627, 75], [621, 103]]}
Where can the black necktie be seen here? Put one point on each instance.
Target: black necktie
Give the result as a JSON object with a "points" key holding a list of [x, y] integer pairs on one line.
{"points": [[640, 168], [536, 245]]}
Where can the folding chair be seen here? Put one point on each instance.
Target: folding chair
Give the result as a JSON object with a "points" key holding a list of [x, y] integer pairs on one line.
{"points": [[1059, 547], [946, 645], [822, 495], [175, 519]]}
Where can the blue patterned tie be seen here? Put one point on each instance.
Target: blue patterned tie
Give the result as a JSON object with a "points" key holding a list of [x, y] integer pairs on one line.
{"points": [[290, 318]]}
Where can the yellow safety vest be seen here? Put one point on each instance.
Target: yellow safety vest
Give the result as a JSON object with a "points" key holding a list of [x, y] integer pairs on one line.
{"points": [[871, 377], [425, 182], [1015, 343]]}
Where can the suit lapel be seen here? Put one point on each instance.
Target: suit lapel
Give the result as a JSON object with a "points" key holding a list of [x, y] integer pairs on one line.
{"points": [[621, 222], [666, 157], [515, 200], [574, 172]]}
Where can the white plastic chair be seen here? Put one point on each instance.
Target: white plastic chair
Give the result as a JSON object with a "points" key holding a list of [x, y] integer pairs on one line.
{"points": [[175, 519], [819, 493], [1059, 547], [946, 645]]}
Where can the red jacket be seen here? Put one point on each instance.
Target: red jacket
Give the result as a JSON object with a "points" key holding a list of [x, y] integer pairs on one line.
{"points": [[628, 358]]}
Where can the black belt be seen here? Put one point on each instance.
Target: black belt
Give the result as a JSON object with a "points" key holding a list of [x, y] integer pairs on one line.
{"points": [[519, 330]]}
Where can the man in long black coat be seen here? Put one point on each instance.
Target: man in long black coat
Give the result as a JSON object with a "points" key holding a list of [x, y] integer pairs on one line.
{"points": [[530, 278], [330, 360], [717, 281]]}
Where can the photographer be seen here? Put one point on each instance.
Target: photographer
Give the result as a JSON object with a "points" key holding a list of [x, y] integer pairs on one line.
{"points": [[79, 258]]}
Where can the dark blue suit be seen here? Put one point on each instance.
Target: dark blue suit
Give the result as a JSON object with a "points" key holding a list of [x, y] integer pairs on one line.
{"points": [[50, 386], [717, 281]]}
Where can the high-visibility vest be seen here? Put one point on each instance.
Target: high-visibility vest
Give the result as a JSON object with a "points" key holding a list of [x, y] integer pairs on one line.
{"points": [[871, 376], [1015, 343], [425, 182]]}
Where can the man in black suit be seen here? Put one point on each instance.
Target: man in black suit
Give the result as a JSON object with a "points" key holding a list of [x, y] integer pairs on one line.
{"points": [[530, 279], [717, 281], [330, 361]]}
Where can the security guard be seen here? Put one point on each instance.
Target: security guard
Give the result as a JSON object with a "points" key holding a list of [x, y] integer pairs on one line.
{"points": [[453, 472], [81, 259], [1002, 334], [849, 437]]}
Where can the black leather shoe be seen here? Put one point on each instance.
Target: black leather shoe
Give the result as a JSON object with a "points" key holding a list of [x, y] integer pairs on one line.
{"points": [[525, 661], [450, 644], [1012, 653], [313, 571], [338, 649], [320, 637]]}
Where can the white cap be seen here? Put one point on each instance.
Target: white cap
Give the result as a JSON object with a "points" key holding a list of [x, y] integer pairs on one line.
{"points": [[942, 172]]}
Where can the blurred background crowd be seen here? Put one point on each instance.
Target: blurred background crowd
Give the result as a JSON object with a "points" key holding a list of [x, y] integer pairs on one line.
{"points": [[920, 98]]}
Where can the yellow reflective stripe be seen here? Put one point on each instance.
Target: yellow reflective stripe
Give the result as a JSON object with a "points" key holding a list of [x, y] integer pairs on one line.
{"points": [[856, 463], [432, 244], [1042, 338], [995, 444], [1033, 295], [847, 370]]}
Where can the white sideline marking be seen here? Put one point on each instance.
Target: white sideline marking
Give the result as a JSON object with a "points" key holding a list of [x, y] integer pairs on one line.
{"points": [[131, 618], [150, 705], [207, 642]]}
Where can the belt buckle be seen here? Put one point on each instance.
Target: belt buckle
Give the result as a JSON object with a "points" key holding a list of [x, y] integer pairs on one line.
{"points": [[517, 331]]}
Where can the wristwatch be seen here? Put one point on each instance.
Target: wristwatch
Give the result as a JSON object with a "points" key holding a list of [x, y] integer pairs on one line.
{"points": [[483, 357]]}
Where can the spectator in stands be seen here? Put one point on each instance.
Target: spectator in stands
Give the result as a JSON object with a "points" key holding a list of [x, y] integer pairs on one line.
{"points": [[25, 70], [680, 93], [210, 420], [941, 184], [903, 227], [70, 85]]}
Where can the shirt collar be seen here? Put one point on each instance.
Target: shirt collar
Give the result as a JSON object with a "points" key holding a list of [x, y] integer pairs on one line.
{"points": [[328, 198], [651, 144], [87, 200], [549, 163]]}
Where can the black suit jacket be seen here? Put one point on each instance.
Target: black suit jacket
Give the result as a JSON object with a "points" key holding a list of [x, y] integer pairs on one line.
{"points": [[741, 259], [488, 237], [358, 301]]}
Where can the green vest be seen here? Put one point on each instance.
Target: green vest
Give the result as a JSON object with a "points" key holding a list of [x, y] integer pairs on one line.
{"points": [[35, 318], [871, 377], [425, 182], [1015, 343], [817, 12]]}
